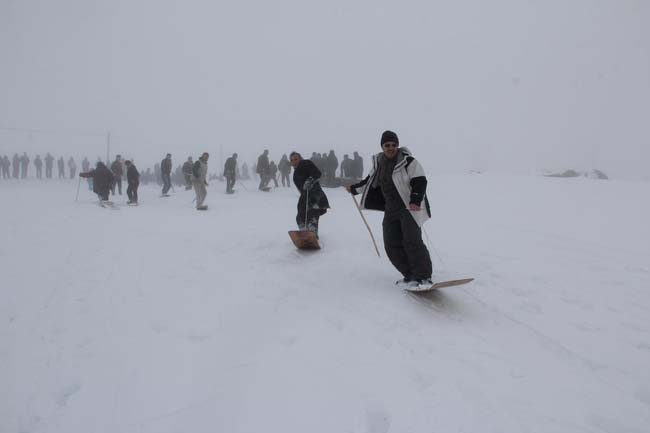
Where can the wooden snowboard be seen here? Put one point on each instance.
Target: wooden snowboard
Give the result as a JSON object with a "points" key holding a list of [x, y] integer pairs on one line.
{"points": [[441, 285], [304, 239]]}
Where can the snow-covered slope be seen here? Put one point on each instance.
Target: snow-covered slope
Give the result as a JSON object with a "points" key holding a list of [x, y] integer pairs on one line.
{"points": [[164, 319]]}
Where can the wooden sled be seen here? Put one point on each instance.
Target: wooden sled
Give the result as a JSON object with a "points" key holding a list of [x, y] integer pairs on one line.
{"points": [[304, 239]]}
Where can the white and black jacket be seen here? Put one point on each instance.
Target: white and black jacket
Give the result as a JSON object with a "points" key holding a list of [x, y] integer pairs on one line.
{"points": [[410, 182]]}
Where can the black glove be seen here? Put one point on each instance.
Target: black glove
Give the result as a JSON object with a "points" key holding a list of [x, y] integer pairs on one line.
{"points": [[309, 184]]}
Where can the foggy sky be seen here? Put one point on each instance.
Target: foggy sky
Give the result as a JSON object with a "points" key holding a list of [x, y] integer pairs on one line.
{"points": [[466, 84]]}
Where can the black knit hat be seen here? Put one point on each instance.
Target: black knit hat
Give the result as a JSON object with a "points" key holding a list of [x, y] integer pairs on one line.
{"points": [[389, 136]]}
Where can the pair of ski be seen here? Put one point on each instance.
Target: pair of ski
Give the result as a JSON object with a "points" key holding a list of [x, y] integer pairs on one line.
{"points": [[307, 240]]}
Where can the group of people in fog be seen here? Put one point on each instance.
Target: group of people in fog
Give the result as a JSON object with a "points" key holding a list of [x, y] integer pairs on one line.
{"points": [[395, 185], [18, 166], [164, 174], [327, 164], [104, 180]]}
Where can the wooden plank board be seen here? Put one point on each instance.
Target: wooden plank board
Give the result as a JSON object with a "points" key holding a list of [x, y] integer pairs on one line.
{"points": [[304, 239], [441, 285]]}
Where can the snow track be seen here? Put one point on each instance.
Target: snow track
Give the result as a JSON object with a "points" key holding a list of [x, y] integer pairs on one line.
{"points": [[160, 318]]}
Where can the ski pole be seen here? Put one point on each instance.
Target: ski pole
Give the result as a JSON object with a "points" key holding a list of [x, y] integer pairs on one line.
{"points": [[306, 208], [366, 223], [78, 185]]}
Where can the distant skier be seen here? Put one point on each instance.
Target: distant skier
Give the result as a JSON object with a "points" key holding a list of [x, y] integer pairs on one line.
{"points": [[230, 173], [345, 166], [199, 180], [156, 173], [38, 163], [24, 165], [397, 186], [6, 164], [132, 181], [332, 164], [16, 166], [316, 159], [178, 177], [72, 167], [244, 172], [284, 167], [262, 168], [187, 172], [305, 177], [273, 173], [166, 173], [357, 165], [118, 171], [102, 180], [49, 163], [85, 166], [61, 166], [148, 176]]}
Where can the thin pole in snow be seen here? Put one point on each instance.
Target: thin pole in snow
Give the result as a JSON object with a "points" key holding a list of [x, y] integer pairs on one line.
{"points": [[78, 185], [306, 207], [366, 223]]}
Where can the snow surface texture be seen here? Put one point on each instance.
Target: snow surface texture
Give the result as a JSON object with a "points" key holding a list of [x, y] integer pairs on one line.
{"points": [[159, 318]]}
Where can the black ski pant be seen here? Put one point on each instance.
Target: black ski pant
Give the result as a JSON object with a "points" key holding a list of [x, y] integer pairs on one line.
{"points": [[167, 183], [308, 221], [285, 177], [117, 180], [313, 217], [264, 181], [404, 246], [188, 181], [103, 195], [230, 183], [132, 191]]}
